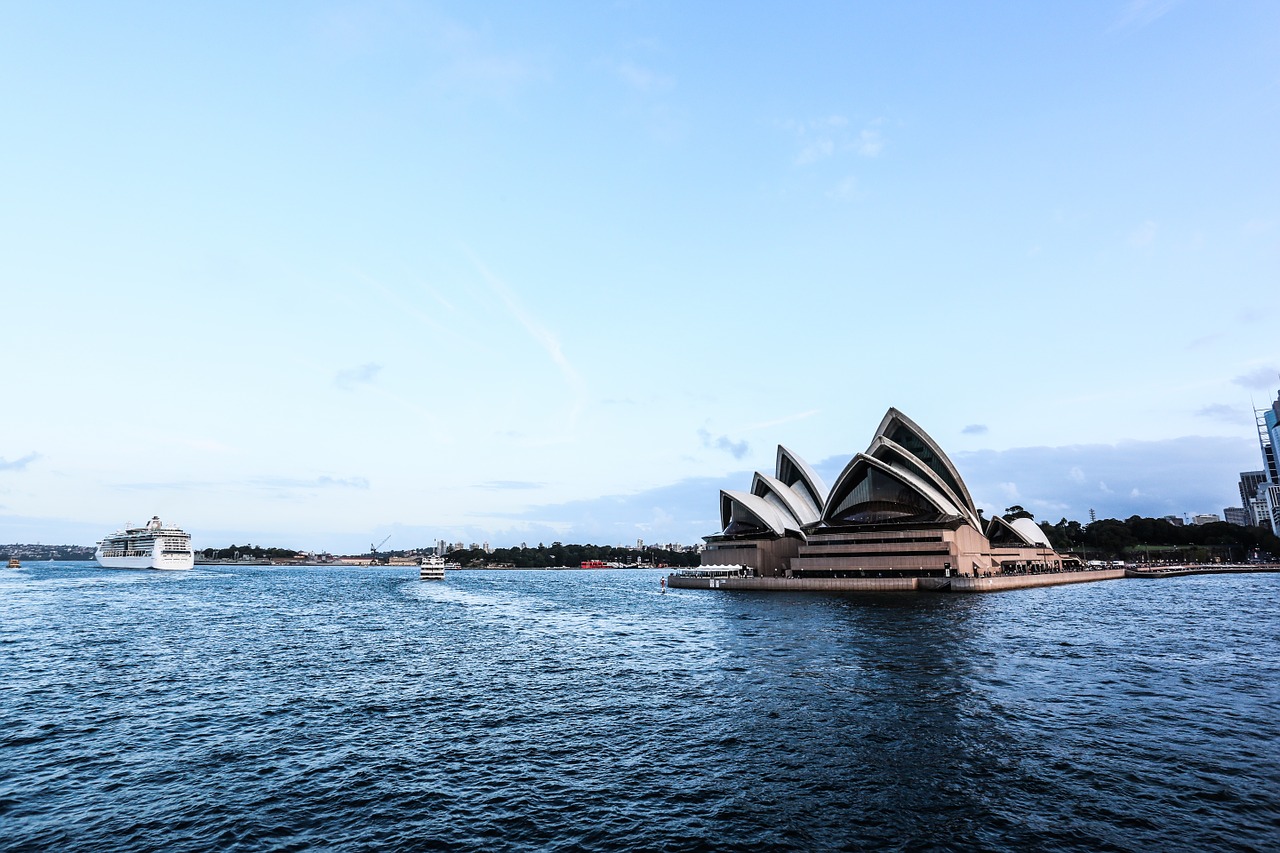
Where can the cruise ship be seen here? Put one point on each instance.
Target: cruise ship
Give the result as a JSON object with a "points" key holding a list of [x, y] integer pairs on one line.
{"points": [[153, 546]]}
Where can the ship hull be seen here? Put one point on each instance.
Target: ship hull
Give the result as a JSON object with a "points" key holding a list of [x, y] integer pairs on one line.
{"points": [[176, 562]]}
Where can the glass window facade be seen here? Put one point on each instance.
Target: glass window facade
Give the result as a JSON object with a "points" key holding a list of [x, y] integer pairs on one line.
{"points": [[921, 450], [876, 497]]}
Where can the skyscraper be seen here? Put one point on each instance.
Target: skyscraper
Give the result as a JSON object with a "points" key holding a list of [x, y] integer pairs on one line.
{"points": [[1249, 483], [1268, 497]]}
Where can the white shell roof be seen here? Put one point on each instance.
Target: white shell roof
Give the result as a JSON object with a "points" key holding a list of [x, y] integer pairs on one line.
{"points": [[766, 512], [807, 474], [802, 511], [940, 501], [1030, 531]]}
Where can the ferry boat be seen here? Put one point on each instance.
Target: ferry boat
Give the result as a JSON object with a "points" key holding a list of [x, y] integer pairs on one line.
{"points": [[152, 546], [432, 568], [15, 563]]}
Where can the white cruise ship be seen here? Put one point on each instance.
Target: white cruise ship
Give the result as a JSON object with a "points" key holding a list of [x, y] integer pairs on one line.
{"points": [[154, 546]]}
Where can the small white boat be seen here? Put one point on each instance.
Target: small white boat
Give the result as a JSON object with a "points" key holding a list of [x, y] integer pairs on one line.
{"points": [[432, 568]]}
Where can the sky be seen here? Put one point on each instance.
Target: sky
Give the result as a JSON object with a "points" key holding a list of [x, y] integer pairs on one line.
{"points": [[313, 274]]}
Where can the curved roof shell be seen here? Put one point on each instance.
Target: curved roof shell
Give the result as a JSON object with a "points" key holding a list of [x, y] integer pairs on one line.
{"points": [[888, 450], [745, 513], [906, 433], [795, 473], [784, 497], [1030, 531], [871, 491], [1022, 531]]}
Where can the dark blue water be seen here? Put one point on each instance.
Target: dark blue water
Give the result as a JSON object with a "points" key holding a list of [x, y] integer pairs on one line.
{"points": [[363, 709]]}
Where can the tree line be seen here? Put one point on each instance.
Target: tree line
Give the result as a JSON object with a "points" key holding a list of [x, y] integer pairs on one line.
{"points": [[559, 554], [1152, 539], [255, 552]]}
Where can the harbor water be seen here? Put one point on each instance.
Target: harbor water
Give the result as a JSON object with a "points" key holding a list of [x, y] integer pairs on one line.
{"points": [[262, 708]]}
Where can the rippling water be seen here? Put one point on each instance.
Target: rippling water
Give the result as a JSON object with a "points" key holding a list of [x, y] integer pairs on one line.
{"points": [[350, 709]]}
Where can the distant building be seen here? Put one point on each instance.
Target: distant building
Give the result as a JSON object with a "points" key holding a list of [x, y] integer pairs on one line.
{"points": [[1249, 483], [1205, 518], [1175, 520], [1237, 515]]}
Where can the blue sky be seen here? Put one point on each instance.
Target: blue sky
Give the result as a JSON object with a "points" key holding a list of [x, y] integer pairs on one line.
{"points": [[315, 273]]}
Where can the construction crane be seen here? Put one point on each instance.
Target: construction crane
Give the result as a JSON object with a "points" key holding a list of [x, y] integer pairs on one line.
{"points": [[373, 549]]}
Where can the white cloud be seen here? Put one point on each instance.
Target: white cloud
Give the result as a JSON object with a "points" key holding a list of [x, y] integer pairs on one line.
{"points": [[846, 189], [870, 143], [736, 449], [543, 336], [783, 420], [353, 376], [19, 464], [1140, 13], [825, 138], [1076, 474], [1144, 235], [642, 79], [815, 150], [1261, 379]]}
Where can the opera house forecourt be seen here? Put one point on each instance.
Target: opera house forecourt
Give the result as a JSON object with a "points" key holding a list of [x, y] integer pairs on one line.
{"points": [[899, 517]]}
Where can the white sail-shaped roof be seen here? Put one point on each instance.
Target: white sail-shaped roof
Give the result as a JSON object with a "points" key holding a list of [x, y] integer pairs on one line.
{"points": [[874, 489], [784, 497], [1024, 531], [796, 474], [1030, 531], [888, 450], [742, 512], [906, 433]]}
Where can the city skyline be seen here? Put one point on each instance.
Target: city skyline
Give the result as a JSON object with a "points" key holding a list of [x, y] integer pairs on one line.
{"points": [[312, 275]]}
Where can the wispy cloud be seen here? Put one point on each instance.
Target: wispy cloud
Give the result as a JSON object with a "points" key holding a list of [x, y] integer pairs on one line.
{"points": [[1222, 412], [845, 189], [799, 416], [170, 486], [869, 143], [1144, 235], [510, 485], [1262, 379], [353, 376], [272, 483], [459, 58], [19, 464], [641, 78], [1205, 340], [323, 482], [828, 137], [543, 336], [736, 449], [975, 429], [1137, 14]]}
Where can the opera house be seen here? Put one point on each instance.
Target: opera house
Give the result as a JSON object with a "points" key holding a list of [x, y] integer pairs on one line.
{"points": [[899, 516]]}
